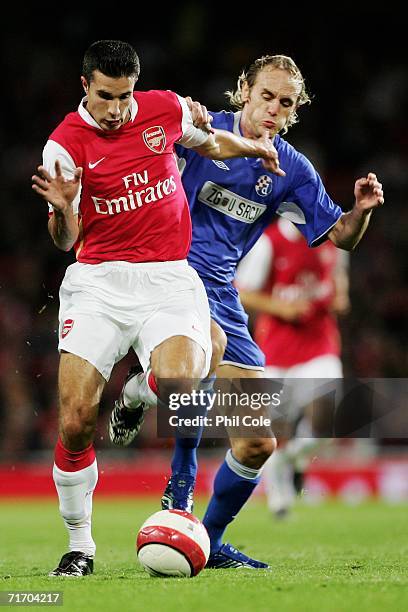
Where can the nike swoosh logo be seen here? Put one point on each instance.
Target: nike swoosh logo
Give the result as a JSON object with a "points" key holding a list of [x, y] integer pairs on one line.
{"points": [[92, 166]]}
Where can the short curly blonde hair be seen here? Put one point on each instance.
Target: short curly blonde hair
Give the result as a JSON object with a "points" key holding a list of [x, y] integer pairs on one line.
{"points": [[282, 62]]}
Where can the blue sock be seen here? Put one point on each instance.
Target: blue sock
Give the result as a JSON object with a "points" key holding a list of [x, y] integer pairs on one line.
{"points": [[233, 486], [184, 459], [185, 455]]}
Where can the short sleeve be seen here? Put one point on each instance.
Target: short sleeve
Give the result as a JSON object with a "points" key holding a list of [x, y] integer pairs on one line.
{"points": [[53, 151], [308, 205], [254, 269], [191, 136]]}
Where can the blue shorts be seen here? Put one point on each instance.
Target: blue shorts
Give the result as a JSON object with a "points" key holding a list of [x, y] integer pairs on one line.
{"points": [[227, 311]]}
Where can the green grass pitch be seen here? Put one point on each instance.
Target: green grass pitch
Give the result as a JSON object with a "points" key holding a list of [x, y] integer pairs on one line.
{"points": [[328, 557]]}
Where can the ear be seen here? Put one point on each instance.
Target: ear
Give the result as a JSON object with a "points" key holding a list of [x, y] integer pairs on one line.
{"points": [[84, 84], [245, 91]]}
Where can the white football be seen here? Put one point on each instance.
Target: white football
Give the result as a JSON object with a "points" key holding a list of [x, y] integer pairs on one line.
{"points": [[173, 543]]}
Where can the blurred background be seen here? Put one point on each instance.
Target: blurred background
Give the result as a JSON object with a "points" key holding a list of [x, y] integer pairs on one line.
{"points": [[355, 65]]}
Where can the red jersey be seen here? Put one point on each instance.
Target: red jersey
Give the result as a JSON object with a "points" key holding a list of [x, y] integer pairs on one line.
{"points": [[298, 272], [132, 205]]}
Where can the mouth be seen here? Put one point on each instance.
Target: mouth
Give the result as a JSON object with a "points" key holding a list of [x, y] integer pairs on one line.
{"points": [[270, 125], [113, 123]]}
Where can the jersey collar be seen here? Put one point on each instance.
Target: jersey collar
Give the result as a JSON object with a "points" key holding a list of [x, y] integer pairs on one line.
{"points": [[87, 117], [237, 124]]}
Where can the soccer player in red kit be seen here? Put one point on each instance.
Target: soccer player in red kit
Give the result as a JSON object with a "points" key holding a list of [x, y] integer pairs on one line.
{"points": [[114, 191], [296, 293]]}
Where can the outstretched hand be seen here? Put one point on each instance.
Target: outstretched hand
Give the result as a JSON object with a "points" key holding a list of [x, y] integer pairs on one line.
{"points": [[269, 155], [58, 191], [369, 193]]}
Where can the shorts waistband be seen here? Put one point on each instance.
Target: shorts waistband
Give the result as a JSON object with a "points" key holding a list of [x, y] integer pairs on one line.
{"points": [[143, 265]]}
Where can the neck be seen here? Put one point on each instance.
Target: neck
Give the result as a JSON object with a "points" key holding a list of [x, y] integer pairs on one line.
{"points": [[245, 128]]}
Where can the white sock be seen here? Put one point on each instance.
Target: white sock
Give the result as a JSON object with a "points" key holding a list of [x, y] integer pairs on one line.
{"points": [[75, 491], [278, 481], [240, 469], [137, 390]]}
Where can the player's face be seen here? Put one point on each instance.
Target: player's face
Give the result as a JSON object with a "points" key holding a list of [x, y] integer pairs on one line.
{"points": [[109, 99], [269, 103]]}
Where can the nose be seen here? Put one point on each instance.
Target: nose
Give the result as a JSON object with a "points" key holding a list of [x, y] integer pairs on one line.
{"points": [[273, 107], [114, 109]]}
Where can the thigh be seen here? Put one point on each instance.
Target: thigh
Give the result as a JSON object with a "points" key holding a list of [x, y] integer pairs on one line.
{"points": [[93, 338], [89, 318], [312, 380], [179, 328], [178, 357]]}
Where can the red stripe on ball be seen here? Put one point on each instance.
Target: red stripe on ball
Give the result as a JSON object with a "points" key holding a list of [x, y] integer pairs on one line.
{"points": [[177, 540]]}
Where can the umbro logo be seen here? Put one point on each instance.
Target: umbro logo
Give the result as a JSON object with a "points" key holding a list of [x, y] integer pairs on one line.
{"points": [[220, 164], [91, 165]]}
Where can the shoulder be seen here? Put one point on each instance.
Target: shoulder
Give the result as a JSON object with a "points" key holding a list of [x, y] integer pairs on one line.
{"points": [[223, 120], [296, 161], [69, 128], [157, 96]]}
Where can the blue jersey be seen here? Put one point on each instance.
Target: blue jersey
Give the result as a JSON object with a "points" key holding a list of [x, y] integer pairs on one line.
{"points": [[233, 201]]}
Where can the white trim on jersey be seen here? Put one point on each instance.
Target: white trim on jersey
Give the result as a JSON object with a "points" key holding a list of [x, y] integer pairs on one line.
{"points": [[242, 365], [237, 119], [53, 151], [326, 231], [87, 117], [191, 136], [254, 269]]}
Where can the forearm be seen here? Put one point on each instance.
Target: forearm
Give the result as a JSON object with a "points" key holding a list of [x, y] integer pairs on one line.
{"points": [[63, 228], [224, 145], [349, 229], [259, 302]]}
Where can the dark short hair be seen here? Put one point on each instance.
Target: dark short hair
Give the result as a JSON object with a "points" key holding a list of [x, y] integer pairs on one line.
{"points": [[113, 58]]}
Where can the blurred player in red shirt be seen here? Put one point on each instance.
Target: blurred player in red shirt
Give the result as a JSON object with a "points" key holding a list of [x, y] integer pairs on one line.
{"points": [[297, 293]]}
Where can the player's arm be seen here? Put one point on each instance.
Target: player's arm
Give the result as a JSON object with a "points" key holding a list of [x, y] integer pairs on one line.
{"points": [[260, 302], [60, 193], [340, 304], [350, 227], [222, 144], [58, 182]]}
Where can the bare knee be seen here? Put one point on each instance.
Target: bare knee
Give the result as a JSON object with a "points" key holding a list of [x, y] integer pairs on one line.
{"points": [[77, 423], [177, 366], [253, 452]]}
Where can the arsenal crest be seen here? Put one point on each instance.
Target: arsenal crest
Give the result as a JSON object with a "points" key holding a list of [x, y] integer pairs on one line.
{"points": [[155, 138], [66, 328]]}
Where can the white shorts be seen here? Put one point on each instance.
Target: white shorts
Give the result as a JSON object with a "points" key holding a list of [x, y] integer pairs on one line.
{"points": [[319, 376], [107, 308]]}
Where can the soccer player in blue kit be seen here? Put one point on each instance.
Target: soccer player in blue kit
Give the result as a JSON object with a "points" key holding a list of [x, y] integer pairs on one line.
{"points": [[231, 204]]}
